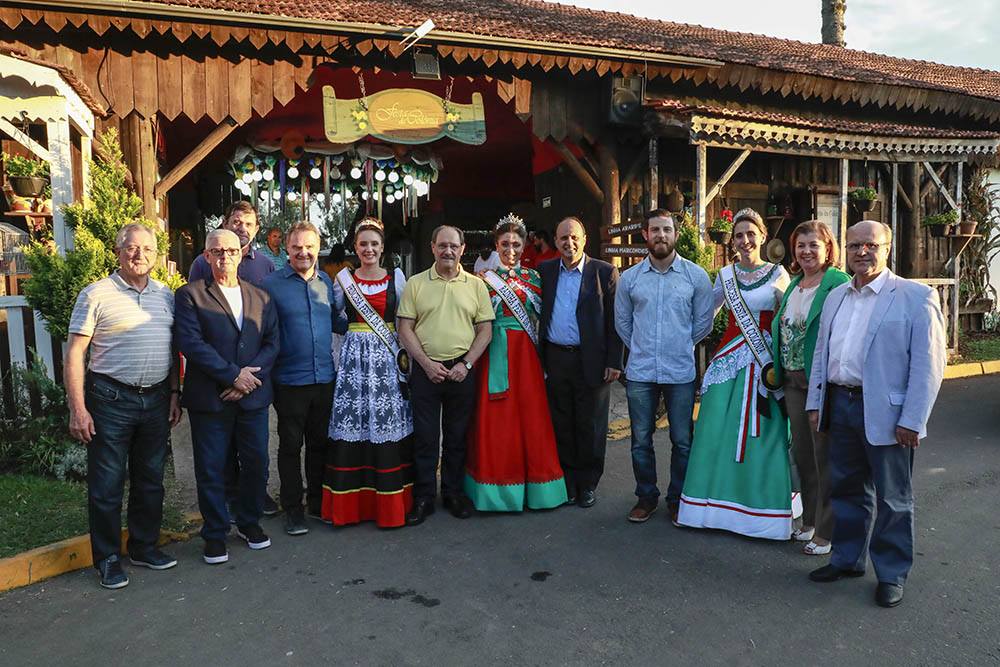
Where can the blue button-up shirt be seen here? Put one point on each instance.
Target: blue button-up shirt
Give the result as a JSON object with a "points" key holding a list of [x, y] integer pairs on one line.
{"points": [[253, 268], [563, 327], [305, 320], [661, 316]]}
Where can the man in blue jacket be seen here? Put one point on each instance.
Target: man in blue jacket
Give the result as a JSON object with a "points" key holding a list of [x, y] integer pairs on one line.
{"points": [[227, 330]]}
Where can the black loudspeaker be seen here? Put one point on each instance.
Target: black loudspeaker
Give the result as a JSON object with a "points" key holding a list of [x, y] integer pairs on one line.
{"points": [[626, 98]]}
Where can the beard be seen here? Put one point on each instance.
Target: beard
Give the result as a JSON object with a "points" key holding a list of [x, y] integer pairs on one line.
{"points": [[660, 250]]}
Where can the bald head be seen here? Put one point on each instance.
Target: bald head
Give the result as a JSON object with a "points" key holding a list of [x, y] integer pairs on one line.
{"points": [[571, 238], [868, 250]]}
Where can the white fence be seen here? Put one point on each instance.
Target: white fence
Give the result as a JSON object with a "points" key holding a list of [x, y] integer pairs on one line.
{"points": [[25, 328]]}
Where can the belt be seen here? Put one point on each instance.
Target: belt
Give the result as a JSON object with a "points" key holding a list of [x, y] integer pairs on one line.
{"points": [[850, 391], [131, 387], [363, 326], [564, 348]]}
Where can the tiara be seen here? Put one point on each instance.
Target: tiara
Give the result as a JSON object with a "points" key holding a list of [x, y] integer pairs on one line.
{"points": [[369, 223], [748, 213], [511, 219]]}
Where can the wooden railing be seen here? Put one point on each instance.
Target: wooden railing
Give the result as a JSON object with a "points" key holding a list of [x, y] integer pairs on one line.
{"points": [[25, 330], [949, 303]]}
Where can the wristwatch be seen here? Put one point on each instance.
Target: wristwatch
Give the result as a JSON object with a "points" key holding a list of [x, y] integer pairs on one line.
{"points": [[467, 365]]}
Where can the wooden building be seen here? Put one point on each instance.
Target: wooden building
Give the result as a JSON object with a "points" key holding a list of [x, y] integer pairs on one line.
{"points": [[559, 111]]}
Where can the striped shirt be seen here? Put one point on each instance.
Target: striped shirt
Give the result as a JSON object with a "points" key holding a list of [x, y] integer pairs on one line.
{"points": [[129, 329]]}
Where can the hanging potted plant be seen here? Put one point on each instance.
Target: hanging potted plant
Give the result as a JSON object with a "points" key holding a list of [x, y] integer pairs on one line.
{"points": [[722, 227], [939, 224], [863, 198], [28, 177]]}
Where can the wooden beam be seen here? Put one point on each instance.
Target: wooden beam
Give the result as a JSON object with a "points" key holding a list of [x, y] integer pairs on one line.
{"points": [[194, 158], [937, 181], [26, 141], [898, 186], [842, 218], [654, 173], [633, 172], [894, 212], [925, 188], [958, 260], [609, 186], [577, 168], [728, 174], [700, 160]]}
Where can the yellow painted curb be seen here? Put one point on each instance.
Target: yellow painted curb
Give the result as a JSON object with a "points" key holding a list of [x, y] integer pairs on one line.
{"points": [[65, 556], [622, 428], [964, 370], [991, 367]]}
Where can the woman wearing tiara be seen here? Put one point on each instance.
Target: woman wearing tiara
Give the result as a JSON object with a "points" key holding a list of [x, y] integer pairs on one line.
{"points": [[738, 476], [511, 458], [369, 472]]}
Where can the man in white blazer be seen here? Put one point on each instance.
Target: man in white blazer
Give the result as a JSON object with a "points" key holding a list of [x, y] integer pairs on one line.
{"points": [[877, 368]]}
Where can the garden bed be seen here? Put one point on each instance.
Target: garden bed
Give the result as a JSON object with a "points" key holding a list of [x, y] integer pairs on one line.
{"points": [[977, 346]]}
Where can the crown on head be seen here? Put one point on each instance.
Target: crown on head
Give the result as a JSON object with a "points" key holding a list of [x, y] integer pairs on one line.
{"points": [[511, 219], [748, 213], [369, 223]]}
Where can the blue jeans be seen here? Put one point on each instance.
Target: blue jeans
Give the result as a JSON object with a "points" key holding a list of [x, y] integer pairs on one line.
{"points": [[643, 398], [212, 434], [863, 476], [131, 431]]}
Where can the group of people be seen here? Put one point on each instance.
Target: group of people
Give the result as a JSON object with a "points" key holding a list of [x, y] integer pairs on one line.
{"points": [[504, 377]]}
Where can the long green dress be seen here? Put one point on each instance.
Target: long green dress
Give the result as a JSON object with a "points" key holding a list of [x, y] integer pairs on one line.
{"points": [[738, 475]]}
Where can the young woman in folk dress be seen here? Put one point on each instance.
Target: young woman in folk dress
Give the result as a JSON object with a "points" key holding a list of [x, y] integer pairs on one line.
{"points": [[511, 458], [369, 472], [738, 476]]}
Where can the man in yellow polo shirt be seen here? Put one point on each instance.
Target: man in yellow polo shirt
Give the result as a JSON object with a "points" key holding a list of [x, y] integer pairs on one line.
{"points": [[445, 319]]}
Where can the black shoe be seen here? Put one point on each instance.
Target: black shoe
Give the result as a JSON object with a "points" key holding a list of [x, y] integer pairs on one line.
{"points": [[215, 552], [459, 506], [422, 508], [588, 498], [254, 535], [112, 574], [295, 521], [270, 507], [570, 500], [318, 515], [154, 560], [829, 573], [888, 595]]}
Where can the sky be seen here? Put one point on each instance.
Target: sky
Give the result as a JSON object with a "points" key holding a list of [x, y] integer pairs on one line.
{"points": [[953, 32]]}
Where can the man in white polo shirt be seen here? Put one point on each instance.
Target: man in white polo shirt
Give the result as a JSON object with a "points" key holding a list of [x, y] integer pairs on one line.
{"points": [[125, 404]]}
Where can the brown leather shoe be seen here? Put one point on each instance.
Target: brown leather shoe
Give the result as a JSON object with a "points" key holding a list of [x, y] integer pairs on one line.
{"points": [[643, 510], [673, 516]]}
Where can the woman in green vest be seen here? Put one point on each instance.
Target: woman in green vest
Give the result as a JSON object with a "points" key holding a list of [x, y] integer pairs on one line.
{"points": [[794, 330]]}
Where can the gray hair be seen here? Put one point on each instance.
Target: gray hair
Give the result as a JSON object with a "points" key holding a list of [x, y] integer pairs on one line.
{"points": [[128, 229], [221, 233], [440, 228]]}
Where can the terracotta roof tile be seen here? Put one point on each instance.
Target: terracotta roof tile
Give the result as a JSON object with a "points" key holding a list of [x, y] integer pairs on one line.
{"points": [[67, 75], [832, 124], [551, 22]]}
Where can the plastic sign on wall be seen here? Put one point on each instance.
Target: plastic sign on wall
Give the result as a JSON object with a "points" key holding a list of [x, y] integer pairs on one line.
{"points": [[403, 116]]}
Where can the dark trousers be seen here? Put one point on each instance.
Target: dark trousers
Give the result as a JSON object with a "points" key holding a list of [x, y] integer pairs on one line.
{"points": [[211, 435], [678, 399], [863, 476], [303, 416], [579, 417], [441, 415], [131, 431]]}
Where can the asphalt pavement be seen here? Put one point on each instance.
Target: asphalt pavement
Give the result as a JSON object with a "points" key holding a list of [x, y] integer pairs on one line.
{"points": [[567, 586]]}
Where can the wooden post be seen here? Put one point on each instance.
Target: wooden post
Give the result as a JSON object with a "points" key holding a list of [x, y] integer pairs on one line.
{"points": [[61, 181], [894, 210], [140, 156], [577, 168], [700, 158], [194, 158], [86, 154], [958, 264], [611, 208], [842, 220], [915, 248], [654, 173]]}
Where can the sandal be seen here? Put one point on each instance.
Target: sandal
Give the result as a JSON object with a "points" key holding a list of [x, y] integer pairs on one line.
{"points": [[800, 535], [813, 549]]}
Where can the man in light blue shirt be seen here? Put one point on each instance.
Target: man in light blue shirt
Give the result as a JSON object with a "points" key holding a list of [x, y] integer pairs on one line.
{"points": [[663, 307]]}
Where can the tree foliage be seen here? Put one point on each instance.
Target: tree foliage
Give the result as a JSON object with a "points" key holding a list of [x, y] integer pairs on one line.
{"points": [[56, 280], [981, 203]]}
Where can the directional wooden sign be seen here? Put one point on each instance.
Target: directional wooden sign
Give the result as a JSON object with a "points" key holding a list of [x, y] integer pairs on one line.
{"points": [[614, 231], [403, 116], [612, 250]]}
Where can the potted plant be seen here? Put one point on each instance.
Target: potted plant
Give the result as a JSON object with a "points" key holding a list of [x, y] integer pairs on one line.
{"points": [[722, 228], [28, 177], [967, 227], [863, 198], [675, 201], [940, 224]]}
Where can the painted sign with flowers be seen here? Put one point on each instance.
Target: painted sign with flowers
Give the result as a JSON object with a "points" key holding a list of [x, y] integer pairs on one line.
{"points": [[403, 116]]}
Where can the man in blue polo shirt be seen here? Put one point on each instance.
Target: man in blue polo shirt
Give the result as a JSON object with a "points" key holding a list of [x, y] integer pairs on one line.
{"points": [[303, 374]]}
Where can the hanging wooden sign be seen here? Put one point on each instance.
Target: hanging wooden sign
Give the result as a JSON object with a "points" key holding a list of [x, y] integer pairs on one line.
{"points": [[403, 116], [612, 250]]}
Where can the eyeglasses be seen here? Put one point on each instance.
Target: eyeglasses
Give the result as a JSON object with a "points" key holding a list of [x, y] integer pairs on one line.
{"points": [[228, 252], [869, 247], [134, 249]]}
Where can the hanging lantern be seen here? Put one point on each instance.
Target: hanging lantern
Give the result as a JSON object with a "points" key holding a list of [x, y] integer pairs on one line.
{"points": [[355, 173], [393, 177], [380, 175], [407, 180], [293, 169], [257, 176], [248, 178], [268, 175], [315, 173], [336, 198]]}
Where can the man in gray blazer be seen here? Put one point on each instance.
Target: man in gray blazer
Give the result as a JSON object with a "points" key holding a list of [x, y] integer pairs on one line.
{"points": [[877, 368]]}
